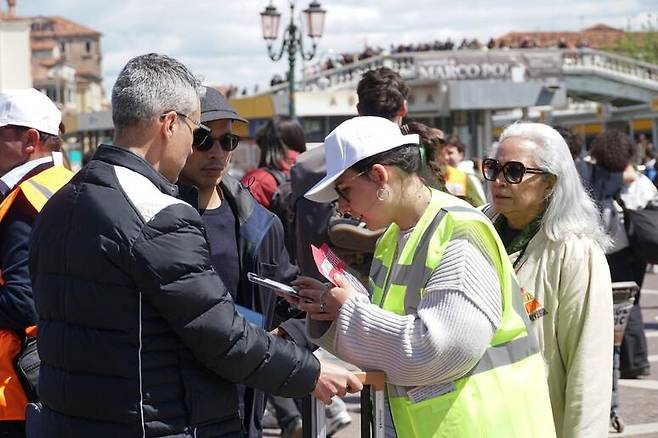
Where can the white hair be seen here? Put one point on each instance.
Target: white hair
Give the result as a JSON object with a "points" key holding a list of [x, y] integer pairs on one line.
{"points": [[569, 210], [150, 84]]}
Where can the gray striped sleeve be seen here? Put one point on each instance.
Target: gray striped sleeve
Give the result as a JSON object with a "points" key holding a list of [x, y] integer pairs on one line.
{"points": [[457, 316]]}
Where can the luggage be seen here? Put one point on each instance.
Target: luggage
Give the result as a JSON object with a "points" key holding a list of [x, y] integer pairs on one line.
{"points": [[623, 297]]}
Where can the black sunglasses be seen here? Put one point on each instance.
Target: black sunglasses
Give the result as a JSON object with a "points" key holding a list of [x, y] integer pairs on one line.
{"points": [[228, 142], [513, 171], [200, 134]]}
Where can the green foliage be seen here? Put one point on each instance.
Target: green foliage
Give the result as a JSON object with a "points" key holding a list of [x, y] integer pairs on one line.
{"points": [[642, 45]]}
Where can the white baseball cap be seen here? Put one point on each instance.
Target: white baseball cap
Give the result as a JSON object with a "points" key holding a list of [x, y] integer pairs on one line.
{"points": [[351, 142], [30, 108]]}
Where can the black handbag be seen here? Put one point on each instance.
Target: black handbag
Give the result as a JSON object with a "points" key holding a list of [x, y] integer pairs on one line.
{"points": [[26, 365], [642, 230]]}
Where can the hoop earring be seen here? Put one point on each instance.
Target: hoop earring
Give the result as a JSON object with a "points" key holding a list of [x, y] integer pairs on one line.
{"points": [[382, 194]]}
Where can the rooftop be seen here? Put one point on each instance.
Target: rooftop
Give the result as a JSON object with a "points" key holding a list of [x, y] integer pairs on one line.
{"points": [[597, 37], [54, 26]]}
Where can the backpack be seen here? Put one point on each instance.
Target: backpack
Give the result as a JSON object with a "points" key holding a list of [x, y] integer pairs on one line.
{"points": [[642, 231], [282, 205]]}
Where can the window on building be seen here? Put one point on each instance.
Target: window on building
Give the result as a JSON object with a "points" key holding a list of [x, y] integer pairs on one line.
{"points": [[62, 46], [88, 46]]}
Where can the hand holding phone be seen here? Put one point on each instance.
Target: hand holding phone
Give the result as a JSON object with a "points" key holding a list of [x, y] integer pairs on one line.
{"points": [[271, 284]]}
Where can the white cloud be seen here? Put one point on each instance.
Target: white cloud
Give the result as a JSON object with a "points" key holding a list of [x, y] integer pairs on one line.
{"points": [[221, 40]]}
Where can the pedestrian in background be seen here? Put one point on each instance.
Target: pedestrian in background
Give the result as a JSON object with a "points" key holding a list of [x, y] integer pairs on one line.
{"points": [[280, 141], [611, 175], [552, 232]]}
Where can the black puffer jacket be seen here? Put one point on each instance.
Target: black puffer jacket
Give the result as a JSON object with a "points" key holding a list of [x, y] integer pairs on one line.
{"points": [[137, 334]]}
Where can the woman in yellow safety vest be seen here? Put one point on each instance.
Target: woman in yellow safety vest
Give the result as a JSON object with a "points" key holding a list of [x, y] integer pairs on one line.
{"points": [[443, 316]]}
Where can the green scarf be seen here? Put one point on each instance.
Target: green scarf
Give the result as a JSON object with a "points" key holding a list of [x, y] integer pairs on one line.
{"points": [[520, 242]]}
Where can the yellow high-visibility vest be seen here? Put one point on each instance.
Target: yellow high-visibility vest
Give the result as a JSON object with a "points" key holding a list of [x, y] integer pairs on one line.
{"points": [[505, 395]]}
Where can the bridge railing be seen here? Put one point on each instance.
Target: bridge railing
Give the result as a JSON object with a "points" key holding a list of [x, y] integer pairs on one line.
{"points": [[573, 61], [587, 60]]}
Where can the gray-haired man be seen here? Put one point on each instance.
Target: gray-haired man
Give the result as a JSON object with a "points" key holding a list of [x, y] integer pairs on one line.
{"points": [[138, 335]]}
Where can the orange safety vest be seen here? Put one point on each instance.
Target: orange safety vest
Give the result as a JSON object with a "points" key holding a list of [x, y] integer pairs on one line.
{"points": [[456, 181], [37, 190]]}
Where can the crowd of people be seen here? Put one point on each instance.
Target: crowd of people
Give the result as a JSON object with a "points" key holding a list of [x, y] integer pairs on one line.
{"points": [[347, 58], [490, 315]]}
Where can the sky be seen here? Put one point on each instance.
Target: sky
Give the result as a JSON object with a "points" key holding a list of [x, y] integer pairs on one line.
{"points": [[221, 41]]}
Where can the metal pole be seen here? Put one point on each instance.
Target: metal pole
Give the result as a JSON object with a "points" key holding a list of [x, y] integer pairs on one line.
{"points": [[488, 136], [292, 54], [291, 79]]}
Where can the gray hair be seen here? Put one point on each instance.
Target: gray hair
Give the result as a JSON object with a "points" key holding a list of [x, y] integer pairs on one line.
{"points": [[148, 86], [569, 210]]}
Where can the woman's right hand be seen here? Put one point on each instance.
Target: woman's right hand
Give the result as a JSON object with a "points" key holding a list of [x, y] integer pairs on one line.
{"points": [[322, 301]]}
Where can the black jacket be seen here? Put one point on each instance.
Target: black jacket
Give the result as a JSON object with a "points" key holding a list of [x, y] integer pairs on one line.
{"points": [[261, 244], [261, 249], [137, 334]]}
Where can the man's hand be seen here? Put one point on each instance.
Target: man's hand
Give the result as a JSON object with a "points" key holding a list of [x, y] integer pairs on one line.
{"points": [[281, 333], [335, 380]]}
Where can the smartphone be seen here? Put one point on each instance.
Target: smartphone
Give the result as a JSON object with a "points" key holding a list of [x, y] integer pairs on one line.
{"points": [[271, 284]]}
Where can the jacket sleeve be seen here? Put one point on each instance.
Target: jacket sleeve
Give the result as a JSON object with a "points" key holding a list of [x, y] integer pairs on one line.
{"points": [[16, 301], [585, 295], [171, 264]]}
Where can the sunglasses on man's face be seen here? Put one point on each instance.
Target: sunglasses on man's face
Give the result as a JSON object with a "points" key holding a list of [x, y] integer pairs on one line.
{"points": [[227, 142], [513, 171]]}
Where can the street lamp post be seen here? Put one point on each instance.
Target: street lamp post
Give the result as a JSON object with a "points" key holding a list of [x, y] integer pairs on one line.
{"points": [[292, 40]]}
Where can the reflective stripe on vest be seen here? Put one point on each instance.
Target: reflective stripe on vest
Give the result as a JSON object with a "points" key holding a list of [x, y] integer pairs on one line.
{"points": [[508, 382], [37, 190]]}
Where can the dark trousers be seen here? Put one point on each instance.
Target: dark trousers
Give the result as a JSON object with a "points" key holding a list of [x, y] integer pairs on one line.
{"points": [[625, 266], [285, 409], [12, 429]]}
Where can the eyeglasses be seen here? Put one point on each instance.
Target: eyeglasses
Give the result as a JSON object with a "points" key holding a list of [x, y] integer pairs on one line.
{"points": [[227, 142], [341, 192], [513, 171], [200, 134]]}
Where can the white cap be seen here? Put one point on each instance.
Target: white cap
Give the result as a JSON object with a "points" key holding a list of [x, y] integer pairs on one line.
{"points": [[30, 108], [351, 142]]}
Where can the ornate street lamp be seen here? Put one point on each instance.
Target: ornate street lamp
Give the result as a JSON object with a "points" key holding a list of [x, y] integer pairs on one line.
{"points": [[292, 39]]}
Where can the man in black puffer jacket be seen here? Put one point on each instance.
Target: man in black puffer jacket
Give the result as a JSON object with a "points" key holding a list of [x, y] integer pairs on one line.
{"points": [[138, 336]]}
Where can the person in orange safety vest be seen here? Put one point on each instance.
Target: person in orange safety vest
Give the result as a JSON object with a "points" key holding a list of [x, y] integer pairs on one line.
{"points": [[31, 170]]}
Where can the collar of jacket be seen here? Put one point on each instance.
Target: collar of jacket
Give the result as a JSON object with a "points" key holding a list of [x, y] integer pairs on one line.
{"points": [[25, 171], [120, 156], [253, 221], [238, 197]]}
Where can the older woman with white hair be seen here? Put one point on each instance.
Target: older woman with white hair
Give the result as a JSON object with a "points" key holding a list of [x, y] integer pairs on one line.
{"points": [[552, 232]]}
